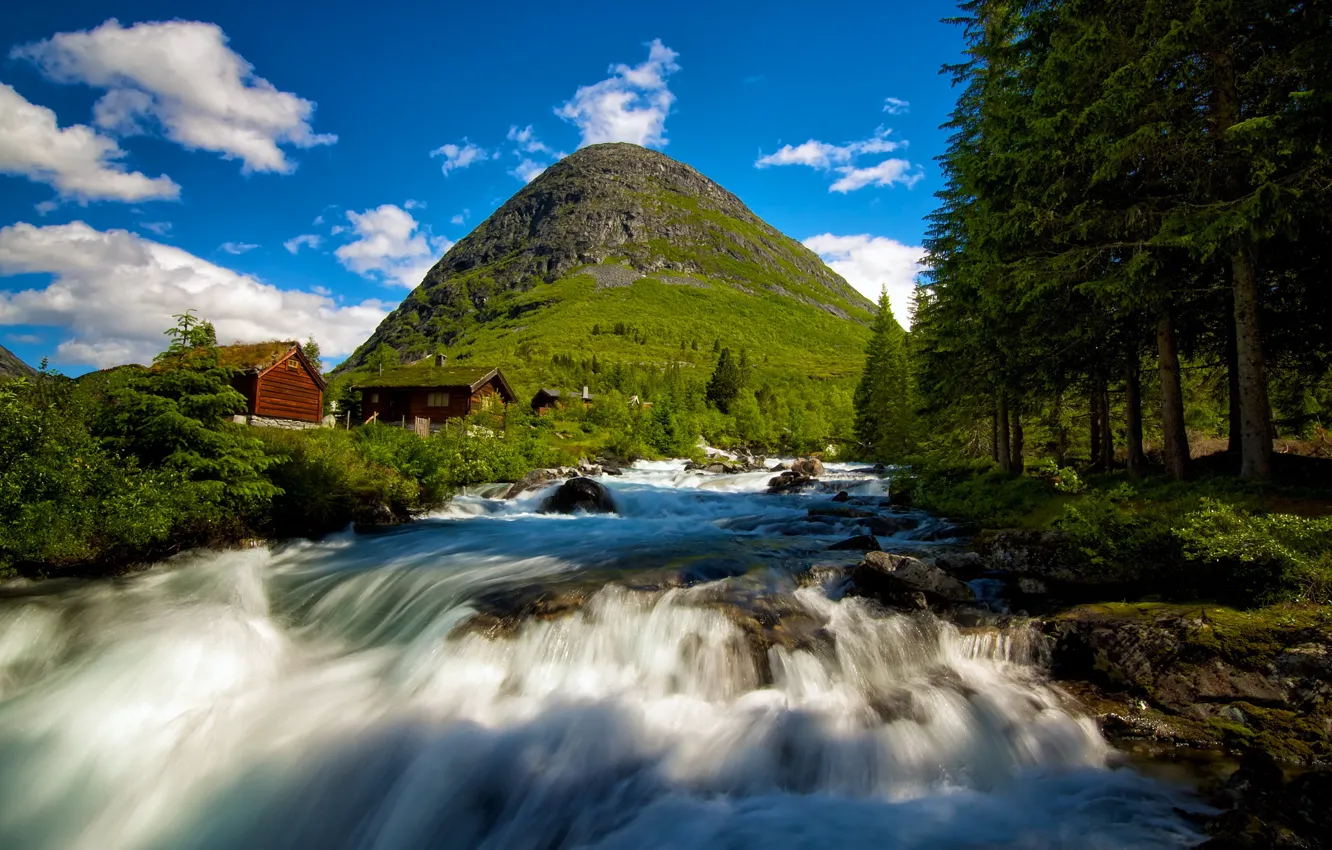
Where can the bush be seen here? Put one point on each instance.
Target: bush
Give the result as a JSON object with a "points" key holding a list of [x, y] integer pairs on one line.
{"points": [[1267, 558], [66, 500], [973, 490], [327, 482]]}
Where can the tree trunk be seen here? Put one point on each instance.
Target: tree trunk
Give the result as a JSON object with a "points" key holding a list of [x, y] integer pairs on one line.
{"points": [[1005, 459], [994, 436], [1094, 406], [1019, 440], [1254, 409], [1057, 426], [1137, 460], [1232, 380], [1107, 434], [1176, 439]]}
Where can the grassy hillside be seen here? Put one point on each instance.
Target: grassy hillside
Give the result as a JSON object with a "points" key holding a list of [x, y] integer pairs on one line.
{"points": [[574, 316], [12, 367]]}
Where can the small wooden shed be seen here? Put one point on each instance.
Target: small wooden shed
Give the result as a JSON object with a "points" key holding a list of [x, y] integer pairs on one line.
{"points": [[545, 399], [403, 394], [281, 387]]}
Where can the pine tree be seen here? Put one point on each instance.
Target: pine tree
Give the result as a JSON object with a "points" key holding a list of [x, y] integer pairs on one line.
{"points": [[883, 403], [726, 381], [311, 351]]}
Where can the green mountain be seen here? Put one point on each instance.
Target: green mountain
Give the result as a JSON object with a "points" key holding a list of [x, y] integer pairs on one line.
{"points": [[625, 253], [12, 367]]}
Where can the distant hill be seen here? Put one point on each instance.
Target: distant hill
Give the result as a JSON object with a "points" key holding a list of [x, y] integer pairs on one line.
{"points": [[626, 253], [12, 367]]}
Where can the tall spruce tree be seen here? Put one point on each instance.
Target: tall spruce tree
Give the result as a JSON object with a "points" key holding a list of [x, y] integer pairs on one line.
{"points": [[727, 379], [883, 400]]}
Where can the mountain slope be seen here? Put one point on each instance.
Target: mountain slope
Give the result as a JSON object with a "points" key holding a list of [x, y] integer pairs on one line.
{"points": [[12, 367], [617, 237]]}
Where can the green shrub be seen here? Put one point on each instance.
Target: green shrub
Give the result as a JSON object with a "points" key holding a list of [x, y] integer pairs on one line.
{"points": [[1267, 558], [973, 490], [327, 482], [66, 500]]}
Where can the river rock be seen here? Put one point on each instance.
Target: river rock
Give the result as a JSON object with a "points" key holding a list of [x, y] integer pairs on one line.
{"points": [[810, 467], [839, 511], [1039, 554], [538, 478], [889, 577], [842, 496], [859, 543], [1267, 810], [579, 494], [790, 482], [886, 526], [1032, 586]]}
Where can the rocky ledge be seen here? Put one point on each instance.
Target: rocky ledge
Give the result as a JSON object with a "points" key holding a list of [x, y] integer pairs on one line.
{"points": [[1161, 678]]}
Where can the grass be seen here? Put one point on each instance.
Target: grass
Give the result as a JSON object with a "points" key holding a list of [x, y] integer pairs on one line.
{"points": [[782, 335]]}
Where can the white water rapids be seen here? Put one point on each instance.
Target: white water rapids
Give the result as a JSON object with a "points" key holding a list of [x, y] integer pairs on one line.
{"points": [[322, 696]]}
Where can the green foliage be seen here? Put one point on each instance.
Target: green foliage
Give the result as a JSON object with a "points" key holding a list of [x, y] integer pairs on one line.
{"points": [[310, 348], [725, 383], [171, 417], [1267, 557], [384, 356], [884, 402], [974, 491], [328, 481], [66, 500], [1121, 175]]}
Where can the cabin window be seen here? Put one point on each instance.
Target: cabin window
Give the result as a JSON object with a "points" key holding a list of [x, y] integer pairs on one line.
{"points": [[437, 400], [374, 398], [292, 364]]}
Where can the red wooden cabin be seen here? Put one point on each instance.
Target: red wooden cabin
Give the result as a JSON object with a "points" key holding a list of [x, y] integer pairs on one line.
{"points": [[431, 390], [280, 385]]}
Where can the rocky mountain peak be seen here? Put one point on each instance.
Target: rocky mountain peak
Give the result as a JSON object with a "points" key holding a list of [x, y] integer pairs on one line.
{"points": [[617, 212]]}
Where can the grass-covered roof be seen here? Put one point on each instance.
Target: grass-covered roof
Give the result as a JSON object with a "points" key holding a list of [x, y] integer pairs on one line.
{"points": [[426, 376], [253, 355]]}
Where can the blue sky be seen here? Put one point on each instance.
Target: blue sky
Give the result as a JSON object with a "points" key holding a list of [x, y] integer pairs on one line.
{"points": [[292, 169]]}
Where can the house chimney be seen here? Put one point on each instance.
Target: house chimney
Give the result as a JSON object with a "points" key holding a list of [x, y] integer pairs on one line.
{"points": [[440, 358]]}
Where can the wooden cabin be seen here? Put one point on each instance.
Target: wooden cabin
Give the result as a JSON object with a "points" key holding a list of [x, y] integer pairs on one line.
{"points": [[431, 390], [281, 387], [545, 399]]}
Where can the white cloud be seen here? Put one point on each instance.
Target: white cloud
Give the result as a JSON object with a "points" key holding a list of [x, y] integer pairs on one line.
{"points": [[823, 155], [77, 161], [886, 173], [308, 240], [896, 106], [461, 217], [527, 140], [114, 293], [161, 228], [181, 76], [459, 156], [871, 262], [629, 106], [414, 205], [527, 170], [237, 247], [390, 246]]}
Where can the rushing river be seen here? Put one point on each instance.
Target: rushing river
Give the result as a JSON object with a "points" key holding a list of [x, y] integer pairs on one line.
{"points": [[332, 696]]}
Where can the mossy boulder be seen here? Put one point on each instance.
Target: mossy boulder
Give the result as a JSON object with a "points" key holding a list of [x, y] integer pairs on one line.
{"points": [[1260, 679]]}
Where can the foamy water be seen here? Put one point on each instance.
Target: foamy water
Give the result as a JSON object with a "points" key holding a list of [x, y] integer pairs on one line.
{"points": [[322, 695]]}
